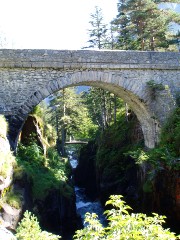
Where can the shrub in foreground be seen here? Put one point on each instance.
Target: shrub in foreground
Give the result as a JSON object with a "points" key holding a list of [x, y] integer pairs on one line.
{"points": [[124, 225], [29, 229]]}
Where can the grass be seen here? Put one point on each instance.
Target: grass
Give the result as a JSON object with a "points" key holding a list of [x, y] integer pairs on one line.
{"points": [[14, 199]]}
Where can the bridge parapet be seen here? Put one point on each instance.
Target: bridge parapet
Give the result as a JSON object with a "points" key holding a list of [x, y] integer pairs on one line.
{"points": [[63, 59]]}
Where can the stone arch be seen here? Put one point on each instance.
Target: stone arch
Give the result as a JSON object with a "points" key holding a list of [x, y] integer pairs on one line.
{"points": [[29, 76], [113, 81]]}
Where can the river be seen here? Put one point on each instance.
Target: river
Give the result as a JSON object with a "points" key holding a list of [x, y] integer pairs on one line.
{"points": [[83, 203]]}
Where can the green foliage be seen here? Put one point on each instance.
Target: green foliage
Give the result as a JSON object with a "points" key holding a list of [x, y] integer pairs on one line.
{"points": [[170, 135], [140, 155], [38, 111], [103, 106], [44, 173], [14, 199], [93, 230], [147, 186], [29, 229], [178, 99], [7, 162], [155, 86], [167, 154], [143, 25], [124, 225], [111, 161], [98, 30], [47, 130], [69, 116], [49, 134], [159, 158]]}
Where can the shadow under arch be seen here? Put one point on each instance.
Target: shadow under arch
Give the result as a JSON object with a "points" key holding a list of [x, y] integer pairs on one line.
{"points": [[111, 81]]}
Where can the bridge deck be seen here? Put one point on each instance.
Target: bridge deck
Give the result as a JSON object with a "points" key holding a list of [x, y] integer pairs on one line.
{"points": [[76, 142]]}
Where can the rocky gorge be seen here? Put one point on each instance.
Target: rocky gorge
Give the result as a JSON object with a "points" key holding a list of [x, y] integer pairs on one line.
{"points": [[106, 166]]}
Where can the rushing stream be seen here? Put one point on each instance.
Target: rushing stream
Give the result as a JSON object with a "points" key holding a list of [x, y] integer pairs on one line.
{"points": [[83, 203]]}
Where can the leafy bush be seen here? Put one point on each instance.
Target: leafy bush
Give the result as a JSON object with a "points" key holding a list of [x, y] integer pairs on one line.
{"points": [[44, 174], [29, 229], [167, 154], [115, 140], [123, 225], [7, 162], [155, 86], [170, 135]]}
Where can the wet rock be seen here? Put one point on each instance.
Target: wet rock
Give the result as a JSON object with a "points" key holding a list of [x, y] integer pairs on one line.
{"points": [[85, 173], [166, 197], [57, 213]]}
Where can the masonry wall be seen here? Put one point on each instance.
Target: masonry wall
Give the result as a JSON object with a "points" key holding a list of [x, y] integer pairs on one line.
{"points": [[29, 76]]}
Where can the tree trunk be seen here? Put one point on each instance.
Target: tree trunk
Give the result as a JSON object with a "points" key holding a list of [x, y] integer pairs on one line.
{"points": [[127, 112], [115, 108], [152, 43], [63, 131], [104, 110]]}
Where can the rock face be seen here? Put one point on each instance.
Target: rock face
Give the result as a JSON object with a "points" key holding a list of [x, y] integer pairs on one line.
{"points": [[57, 213], [166, 197], [85, 173], [31, 131], [6, 158], [126, 184], [6, 235], [116, 172], [9, 216]]}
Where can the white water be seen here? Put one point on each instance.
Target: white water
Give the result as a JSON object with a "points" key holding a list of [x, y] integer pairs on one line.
{"points": [[83, 204]]}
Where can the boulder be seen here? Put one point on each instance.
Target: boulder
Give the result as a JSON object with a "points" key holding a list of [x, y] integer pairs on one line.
{"points": [[10, 216]]}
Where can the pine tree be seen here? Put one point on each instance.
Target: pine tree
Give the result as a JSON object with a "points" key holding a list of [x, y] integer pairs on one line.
{"points": [[98, 31], [102, 106], [142, 25], [124, 39], [69, 115], [63, 115]]}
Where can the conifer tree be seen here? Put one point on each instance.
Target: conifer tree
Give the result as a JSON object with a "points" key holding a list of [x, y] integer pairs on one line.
{"points": [[124, 39], [142, 25], [102, 106], [69, 115], [98, 30]]}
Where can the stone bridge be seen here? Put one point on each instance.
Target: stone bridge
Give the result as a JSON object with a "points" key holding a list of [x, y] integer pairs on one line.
{"points": [[29, 76]]}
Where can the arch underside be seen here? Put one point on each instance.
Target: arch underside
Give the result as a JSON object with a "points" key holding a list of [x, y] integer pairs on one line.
{"points": [[112, 81]]}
